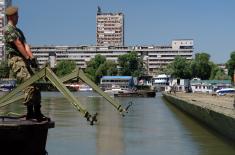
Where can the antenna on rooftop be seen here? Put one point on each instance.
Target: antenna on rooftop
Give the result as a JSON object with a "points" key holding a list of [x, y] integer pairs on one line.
{"points": [[98, 10]]}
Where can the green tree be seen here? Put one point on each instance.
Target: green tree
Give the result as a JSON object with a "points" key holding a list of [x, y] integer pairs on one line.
{"points": [[201, 67], [65, 67], [111, 68], [179, 68], [230, 65], [217, 73], [130, 64], [99, 66], [92, 67], [107, 68], [4, 69], [220, 75]]}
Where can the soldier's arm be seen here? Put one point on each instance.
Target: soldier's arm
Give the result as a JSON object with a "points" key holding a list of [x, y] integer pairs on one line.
{"points": [[28, 50], [20, 46]]}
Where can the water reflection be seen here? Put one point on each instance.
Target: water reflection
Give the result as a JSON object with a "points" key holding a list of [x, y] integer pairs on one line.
{"points": [[109, 137], [151, 129]]}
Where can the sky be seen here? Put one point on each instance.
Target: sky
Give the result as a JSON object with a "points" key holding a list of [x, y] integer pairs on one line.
{"points": [[210, 23]]}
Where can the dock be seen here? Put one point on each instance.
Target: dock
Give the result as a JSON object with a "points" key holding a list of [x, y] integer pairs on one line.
{"points": [[20, 136], [217, 112]]}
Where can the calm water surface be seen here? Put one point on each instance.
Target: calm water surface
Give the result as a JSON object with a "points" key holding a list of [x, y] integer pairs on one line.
{"points": [[152, 127]]}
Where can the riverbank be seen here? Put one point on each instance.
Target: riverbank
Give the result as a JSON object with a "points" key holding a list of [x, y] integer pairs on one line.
{"points": [[215, 111]]}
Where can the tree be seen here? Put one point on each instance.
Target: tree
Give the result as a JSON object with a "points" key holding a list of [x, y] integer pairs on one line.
{"points": [[130, 64], [221, 76], [111, 68], [201, 66], [179, 68], [217, 73], [230, 65], [92, 67], [107, 68], [65, 67], [99, 66], [4, 69]]}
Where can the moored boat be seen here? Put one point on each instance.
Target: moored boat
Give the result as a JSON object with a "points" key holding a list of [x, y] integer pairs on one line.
{"points": [[138, 93], [84, 87], [115, 89]]}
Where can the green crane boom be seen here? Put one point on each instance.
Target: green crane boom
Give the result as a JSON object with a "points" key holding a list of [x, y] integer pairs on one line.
{"points": [[58, 83]]}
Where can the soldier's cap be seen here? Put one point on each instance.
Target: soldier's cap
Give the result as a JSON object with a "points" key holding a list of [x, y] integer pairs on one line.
{"points": [[11, 10]]}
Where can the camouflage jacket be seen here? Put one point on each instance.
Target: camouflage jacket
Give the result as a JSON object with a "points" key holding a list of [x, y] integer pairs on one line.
{"points": [[12, 33]]}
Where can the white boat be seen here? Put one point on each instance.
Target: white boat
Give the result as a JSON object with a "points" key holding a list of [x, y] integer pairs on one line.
{"points": [[84, 87], [116, 90]]}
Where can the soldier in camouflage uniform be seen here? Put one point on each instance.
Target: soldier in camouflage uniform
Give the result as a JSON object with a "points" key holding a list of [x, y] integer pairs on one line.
{"points": [[20, 60]]}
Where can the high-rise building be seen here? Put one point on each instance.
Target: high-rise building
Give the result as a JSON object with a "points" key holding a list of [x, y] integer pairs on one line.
{"points": [[3, 5], [109, 29]]}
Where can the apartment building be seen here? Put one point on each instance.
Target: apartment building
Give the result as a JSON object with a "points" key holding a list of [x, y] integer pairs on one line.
{"points": [[3, 5], [154, 57], [109, 29]]}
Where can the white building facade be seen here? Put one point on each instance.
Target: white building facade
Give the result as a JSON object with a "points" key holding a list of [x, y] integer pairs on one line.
{"points": [[209, 86], [3, 21], [181, 85], [158, 57], [109, 29], [160, 82]]}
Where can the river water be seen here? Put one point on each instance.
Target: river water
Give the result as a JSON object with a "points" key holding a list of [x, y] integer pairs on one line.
{"points": [[152, 127]]}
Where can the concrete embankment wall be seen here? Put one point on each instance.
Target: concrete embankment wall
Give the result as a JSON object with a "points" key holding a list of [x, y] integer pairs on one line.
{"points": [[218, 121]]}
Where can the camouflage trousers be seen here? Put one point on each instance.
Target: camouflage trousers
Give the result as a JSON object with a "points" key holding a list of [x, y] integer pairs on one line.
{"points": [[22, 72]]}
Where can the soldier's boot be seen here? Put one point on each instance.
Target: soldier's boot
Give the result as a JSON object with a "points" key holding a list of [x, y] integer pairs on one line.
{"points": [[30, 112], [38, 114]]}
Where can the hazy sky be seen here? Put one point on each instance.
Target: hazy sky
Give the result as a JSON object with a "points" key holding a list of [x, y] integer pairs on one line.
{"points": [[210, 23]]}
